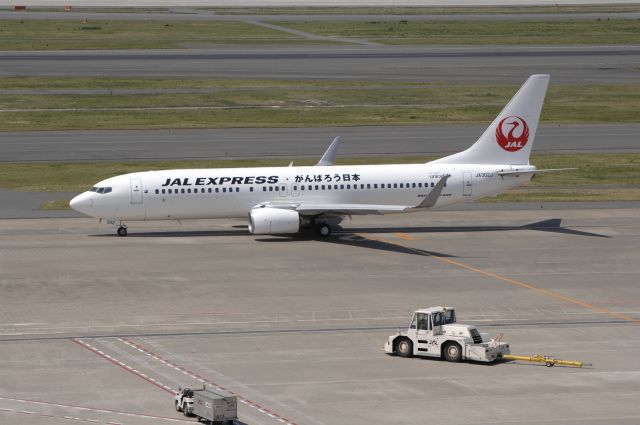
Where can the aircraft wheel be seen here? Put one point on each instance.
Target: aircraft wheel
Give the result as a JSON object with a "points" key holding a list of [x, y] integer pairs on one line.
{"points": [[323, 229], [122, 231], [405, 348]]}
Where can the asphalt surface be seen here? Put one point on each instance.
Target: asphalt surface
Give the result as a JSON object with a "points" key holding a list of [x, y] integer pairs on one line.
{"points": [[99, 328], [292, 143], [493, 64], [209, 15]]}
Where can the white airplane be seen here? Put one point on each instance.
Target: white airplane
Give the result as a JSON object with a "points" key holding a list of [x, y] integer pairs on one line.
{"points": [[284, 200]]}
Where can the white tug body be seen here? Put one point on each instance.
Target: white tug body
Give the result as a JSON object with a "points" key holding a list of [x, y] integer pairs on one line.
{"points": [[433, 332]]}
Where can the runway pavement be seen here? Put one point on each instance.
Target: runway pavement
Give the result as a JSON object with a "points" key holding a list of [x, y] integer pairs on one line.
{"points": [[187, 14], [292, 143], [99, 328], [481, 64]]}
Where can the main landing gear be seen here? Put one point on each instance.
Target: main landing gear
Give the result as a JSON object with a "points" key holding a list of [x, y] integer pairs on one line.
{"points": [[122, 230], [323, 229]]}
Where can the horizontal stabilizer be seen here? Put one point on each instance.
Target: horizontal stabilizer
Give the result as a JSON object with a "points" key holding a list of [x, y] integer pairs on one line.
{"points": [[532, 171]]}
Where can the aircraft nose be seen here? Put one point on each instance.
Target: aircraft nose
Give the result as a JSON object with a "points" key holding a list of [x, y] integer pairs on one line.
{"points": [[81, 203]]}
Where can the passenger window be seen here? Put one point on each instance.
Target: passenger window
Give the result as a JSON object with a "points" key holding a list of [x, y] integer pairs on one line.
{"points": [[209, 190], [329, 187], [368, 186], [224, 190], [375, 186], [163, 191], [181, 190], [431, 184], [188, 190], [395, 185], [157, 192], [317, 187], [413, 185], [237, 189], [276, 188], [335, 187], [419, 184], [251, 189], [401, 186], [264, 188], [295, 187], [361, 186], [310, 187], [341, 186], [217, 190], [270, 188], [348, 186], [323, 188]]}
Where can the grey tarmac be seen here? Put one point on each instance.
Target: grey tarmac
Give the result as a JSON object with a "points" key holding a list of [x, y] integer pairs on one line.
{"points": [[178, 14], [101, 328], [479, 64]]}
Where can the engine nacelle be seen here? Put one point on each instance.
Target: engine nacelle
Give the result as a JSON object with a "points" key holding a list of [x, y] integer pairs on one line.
{"points": [[273, 221]]}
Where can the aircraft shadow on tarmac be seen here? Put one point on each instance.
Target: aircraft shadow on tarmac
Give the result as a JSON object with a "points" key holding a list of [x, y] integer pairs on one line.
{"points": [[553, 225], [351, 236]]}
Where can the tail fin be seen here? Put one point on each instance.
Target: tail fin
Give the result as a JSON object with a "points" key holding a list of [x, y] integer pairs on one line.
{"points": [[509, 138]]}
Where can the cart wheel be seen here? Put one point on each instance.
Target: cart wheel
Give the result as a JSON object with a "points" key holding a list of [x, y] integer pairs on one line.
{"points": [[452, 352], [405, 348]]}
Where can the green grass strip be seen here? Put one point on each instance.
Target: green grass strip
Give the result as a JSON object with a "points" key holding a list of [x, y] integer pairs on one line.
{"points": [[231, 103], [74, 35], [497, 32]]}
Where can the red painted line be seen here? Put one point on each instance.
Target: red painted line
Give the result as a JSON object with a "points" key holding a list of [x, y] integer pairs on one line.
{"points": [[112, 360], [72, 406], [246, 401]]}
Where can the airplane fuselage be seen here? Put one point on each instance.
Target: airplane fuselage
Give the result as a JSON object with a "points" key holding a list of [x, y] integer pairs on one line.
{"points": [[234, 192]]}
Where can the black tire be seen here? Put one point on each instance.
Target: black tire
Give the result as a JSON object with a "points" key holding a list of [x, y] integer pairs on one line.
{"points": [[122, 231], [185, 411], [404, 347], [323, 230], [178, 409], [452, 352]]}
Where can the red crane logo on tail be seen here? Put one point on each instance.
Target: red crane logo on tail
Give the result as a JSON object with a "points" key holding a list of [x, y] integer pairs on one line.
{"points": [[517, 133]]}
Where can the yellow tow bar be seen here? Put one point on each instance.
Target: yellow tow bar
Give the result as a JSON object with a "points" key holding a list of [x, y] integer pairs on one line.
{"points": [[548, 361]]}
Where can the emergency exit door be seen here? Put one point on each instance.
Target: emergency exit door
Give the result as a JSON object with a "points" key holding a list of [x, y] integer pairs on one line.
{"points": [[136, 191], [467, 184]]}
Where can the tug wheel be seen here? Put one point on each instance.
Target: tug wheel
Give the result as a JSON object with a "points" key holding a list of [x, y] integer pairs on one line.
{"points": [[405, 348], [452, 352]]}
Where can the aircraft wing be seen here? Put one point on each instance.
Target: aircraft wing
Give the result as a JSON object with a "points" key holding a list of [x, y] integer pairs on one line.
{"points": [[319, 208]]}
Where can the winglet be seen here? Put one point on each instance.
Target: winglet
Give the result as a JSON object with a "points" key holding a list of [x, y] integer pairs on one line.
{"points": [[433, 196], [327, 158]]}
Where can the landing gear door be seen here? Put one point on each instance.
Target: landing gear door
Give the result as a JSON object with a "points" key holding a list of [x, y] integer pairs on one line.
{"points": [[136, 191]]}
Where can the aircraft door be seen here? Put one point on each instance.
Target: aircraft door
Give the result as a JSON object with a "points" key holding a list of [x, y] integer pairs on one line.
{"points": [[467, 184], [136, 191]]}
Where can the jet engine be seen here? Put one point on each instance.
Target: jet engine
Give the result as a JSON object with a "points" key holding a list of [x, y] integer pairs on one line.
{"points": [[273, 221]]}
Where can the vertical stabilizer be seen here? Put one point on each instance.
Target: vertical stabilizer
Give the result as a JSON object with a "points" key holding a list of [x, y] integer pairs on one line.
{"points": [[510, 137]]}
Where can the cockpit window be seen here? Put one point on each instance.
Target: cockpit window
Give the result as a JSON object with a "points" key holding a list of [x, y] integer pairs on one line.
{"points": [[101, 189]]}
